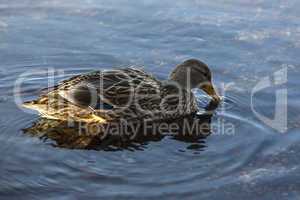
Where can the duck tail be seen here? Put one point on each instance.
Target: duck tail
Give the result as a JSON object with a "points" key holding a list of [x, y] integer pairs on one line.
{"points": [[30, 104]]}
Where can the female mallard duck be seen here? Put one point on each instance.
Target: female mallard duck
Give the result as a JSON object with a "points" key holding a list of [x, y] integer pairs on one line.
{"points": [[128, 94]]}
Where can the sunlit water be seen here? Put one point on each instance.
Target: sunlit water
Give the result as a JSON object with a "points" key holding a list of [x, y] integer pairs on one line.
{"points": [[242, 41]]}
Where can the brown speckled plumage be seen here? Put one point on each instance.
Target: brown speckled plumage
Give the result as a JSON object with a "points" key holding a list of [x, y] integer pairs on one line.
{"points": [[115, 90]]}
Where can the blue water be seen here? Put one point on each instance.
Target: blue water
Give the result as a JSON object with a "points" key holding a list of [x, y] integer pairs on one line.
{"points": [[243, 43]]}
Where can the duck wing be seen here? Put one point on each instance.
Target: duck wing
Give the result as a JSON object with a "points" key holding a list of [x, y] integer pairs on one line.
{"points": [[111, 89]]}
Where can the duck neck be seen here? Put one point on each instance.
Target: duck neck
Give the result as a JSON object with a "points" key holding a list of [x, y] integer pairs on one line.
{"points": [[184, 79]]}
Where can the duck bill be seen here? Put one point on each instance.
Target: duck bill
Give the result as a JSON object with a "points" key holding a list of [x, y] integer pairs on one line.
{"points": [[210, 90]]}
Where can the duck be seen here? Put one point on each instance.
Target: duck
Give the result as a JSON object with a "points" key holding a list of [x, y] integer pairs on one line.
{"points": [[129, 94]]}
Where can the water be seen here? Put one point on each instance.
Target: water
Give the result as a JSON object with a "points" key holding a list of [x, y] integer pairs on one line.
{"points": [[243, 42]]}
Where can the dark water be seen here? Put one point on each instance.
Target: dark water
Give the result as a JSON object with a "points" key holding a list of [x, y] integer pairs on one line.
{"points": [[243, 42]]}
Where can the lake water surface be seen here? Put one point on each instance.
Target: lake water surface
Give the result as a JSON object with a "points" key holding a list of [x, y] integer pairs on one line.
{"points": [[247, 44]]}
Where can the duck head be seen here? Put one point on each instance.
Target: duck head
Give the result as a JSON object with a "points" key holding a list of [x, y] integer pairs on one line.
{"points": [[194, 73]]}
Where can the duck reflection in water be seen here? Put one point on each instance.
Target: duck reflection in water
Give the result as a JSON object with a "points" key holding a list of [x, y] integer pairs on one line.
{"points": [[191, 129]]}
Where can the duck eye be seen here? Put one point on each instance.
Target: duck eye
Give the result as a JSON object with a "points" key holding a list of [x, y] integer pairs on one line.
{"points": [[206, 74]]}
